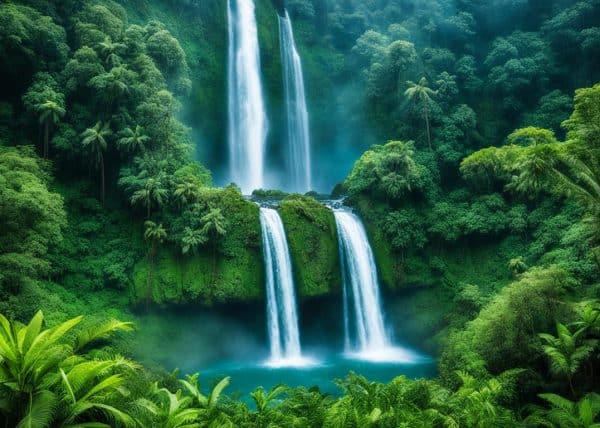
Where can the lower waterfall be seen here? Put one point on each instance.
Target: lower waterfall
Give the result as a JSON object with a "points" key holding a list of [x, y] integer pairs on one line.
{"points": [[282, 317], [365, 332]]}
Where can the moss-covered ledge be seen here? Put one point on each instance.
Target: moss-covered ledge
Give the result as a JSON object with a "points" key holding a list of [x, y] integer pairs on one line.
{"points": [[312, 239], [238, 274]]}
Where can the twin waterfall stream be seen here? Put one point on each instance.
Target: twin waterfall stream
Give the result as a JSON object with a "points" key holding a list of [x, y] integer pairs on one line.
{"points": [[365, 332], [364, 328], [282, 317]]}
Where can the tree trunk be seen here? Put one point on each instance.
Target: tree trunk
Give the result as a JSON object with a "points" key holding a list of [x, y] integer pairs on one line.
{"points": [[150, 276], [427, 125], [571, 387], [214, 267], [46, 138], [102, 182], [148, 210]]}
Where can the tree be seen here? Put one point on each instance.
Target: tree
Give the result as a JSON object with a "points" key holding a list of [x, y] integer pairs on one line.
{"points": [[133, 140], [31, 218], [214, 226], [565, 352], [111, 51], [47, 103], [29, 42], [192, 239], [531, 136], [156, 235], [389, 172], [404, 229], [153, 193], [113, 85], [187, 191], [50, 113], [94, 140], [422, 94]]}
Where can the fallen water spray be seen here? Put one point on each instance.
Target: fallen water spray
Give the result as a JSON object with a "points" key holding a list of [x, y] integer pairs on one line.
{"points": [[247, 116], [361, 288], [282, 318], [298, 158]]}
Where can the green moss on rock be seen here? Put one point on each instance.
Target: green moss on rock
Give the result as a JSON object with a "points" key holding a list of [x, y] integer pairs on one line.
{"points": [[238, 273], [312, 238]]}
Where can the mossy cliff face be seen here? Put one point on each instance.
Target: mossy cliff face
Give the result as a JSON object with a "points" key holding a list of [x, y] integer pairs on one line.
{"points": [[454, 264], [237, 274], [312, 239]]}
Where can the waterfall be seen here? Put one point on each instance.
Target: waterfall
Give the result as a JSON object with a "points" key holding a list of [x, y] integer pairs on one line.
{"points": [[282, 318], [364, 327], [298, 154], [247, 115], [366, 337]]}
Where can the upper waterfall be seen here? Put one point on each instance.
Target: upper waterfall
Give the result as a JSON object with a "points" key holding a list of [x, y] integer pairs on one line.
{"points": [[247, 115], [282, 315], [298, 158]]}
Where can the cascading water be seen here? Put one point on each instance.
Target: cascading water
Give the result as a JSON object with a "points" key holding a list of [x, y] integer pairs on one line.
{"points": [[298, 155], [365, 332], [282, 318], [247, 115]]}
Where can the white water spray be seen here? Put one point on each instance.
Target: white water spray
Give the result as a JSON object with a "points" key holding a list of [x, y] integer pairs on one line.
{"points": [[247, 116], [365, 333], [282, 315], [298, 161]]}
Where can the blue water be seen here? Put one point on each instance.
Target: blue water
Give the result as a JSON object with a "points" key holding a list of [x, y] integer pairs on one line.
{"points": [[245, 378], [233, 341]]}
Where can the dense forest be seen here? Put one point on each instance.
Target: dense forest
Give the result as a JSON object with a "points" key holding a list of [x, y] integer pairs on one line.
{"points": [[464, 134]]}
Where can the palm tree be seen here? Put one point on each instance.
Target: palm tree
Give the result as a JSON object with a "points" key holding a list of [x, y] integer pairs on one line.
{"points": [[110, 51], [112, 85], [566, 413], [191, 240], [187, 192], [564, 353], [583, 185], [156, 235], [153, 193], [50, 113], [94, 140], [422, 94], [213, 227], [133, 140]]}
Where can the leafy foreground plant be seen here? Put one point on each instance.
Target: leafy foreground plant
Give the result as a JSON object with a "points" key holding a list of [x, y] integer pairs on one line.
{"points": [[44, 381], [55, 378]]}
